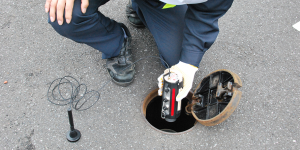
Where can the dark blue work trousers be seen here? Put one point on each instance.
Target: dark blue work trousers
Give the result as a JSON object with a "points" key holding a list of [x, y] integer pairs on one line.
{"points": [[182, 33]]}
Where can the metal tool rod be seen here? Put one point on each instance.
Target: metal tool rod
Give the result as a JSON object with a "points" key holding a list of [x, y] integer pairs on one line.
{"points": [[71, 119]]}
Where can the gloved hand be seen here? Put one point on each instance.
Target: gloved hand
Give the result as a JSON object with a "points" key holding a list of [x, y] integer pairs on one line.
{"points": [[187, 72]]}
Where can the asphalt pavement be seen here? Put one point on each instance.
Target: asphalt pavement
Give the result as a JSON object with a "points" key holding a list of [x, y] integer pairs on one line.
{"points": [[257, 41]]}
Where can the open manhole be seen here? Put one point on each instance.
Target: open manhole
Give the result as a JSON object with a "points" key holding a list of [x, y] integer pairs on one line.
{"points": [[214, 100], [151, 109]]}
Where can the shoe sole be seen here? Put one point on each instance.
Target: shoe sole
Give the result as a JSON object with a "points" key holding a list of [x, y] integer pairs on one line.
{"points": [[124, 84]]}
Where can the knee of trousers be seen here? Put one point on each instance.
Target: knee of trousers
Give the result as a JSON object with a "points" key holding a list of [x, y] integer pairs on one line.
{"points": [[80, 22], [61, 29], [77, 25]]}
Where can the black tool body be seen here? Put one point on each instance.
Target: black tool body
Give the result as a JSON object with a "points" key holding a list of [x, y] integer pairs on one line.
{"points": [[171, 108]]}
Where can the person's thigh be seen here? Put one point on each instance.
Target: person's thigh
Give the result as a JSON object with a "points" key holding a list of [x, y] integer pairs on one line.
{"points": [[201, 29], [166, 26], [93, 29]]}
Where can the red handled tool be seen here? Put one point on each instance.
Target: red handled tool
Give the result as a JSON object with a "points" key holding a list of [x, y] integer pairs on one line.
{"points": [[171, 108]]}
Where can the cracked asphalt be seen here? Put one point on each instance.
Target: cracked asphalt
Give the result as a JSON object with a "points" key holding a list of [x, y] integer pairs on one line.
{"points": [[256, 41]]}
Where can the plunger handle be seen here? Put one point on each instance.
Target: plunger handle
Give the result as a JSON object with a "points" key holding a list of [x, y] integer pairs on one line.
{"points": [[71, 119]]}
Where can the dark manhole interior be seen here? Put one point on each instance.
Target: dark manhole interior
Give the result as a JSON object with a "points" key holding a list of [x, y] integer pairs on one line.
{"points": [[153, 115]]}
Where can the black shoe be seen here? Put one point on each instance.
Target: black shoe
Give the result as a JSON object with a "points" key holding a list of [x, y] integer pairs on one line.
{"points": [[121, 68], [133, 17]]}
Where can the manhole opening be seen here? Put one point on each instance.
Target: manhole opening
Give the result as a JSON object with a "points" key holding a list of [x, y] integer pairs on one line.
{"points": [[153, 116]]}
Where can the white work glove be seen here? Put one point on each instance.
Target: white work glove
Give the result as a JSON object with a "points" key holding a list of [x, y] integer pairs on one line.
{"points": [[187, 72]]}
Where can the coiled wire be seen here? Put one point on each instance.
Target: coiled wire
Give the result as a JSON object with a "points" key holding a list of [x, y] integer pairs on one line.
{"points": [[68, 91]]}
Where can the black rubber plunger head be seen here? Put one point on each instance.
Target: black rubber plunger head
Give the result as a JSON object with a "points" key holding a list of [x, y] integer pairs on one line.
{"points": [[73, 136]]}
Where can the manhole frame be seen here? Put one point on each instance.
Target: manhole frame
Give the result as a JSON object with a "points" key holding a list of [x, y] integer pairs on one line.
{"points": [[232, 105]]}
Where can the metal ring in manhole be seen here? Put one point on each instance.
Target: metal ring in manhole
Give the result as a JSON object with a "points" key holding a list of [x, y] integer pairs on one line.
{"points": [[151, 109]]}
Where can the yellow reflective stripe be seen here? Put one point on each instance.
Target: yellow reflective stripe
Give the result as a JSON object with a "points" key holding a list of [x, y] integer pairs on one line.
{"points": [[194, 66], [168, 6]]}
